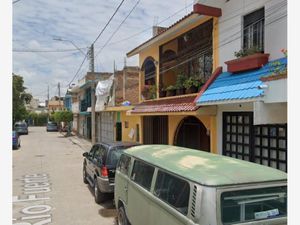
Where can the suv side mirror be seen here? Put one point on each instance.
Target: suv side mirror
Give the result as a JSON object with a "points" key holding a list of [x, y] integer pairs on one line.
{"points": [[85, 154]]}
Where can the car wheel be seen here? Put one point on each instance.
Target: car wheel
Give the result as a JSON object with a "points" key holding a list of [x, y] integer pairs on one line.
{"points": [[99, 196], [122, 218], [84, 175]]}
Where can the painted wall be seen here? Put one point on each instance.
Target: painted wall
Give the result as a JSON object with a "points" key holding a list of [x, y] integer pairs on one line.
{"points": [[208, 122], [273, 113], [276, 91], [231, 22], [244, 107], [132, 122], [153, 50]]}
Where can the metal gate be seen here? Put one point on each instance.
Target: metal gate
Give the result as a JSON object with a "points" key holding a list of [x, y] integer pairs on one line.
{"points": [[107, 126], [263, 144]]}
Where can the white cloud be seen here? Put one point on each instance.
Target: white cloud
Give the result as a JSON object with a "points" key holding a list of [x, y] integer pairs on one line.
{"points": [[36, 23]]}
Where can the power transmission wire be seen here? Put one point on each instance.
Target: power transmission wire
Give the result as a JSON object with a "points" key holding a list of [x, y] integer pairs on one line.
{"points": [[78, 70], [123, 21], [108, 21], [16, 1]]}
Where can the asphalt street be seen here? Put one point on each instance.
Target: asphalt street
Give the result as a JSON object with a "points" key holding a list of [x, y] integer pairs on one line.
{"points": [[48, 186]]}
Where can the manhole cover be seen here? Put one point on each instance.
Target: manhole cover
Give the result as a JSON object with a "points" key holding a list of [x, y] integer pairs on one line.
{"points": [[39, 155]]}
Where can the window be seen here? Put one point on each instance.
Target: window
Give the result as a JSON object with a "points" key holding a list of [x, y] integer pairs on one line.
{"points": [[99, 153], [173, 190], [253, 35], [142, 174], [256, 204], [124, 164]]}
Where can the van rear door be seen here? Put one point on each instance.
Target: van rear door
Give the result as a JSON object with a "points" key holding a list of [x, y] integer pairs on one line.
{"points": [[266, 205]]}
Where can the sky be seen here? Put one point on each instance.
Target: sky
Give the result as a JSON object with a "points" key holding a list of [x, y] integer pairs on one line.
{"points": [[36, 23]]}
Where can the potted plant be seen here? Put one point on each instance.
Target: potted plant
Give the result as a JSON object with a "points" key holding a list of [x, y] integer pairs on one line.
{"points": [[171, 90], [162, 92], [247, 59], [149, 92], [191, 84], [180, 89]]}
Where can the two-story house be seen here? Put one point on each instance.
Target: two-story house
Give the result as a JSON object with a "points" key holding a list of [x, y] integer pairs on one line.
{"points": [[251, 93], [174, 63]]}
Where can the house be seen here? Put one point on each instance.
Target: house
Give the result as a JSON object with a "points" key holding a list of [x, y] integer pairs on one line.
{"points": [[251, 93], [176, 58], [112, 123], [55, 104], [83, 104]]}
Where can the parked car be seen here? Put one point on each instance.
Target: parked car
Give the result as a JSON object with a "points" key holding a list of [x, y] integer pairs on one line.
{"points": [[21, 127], [161, 184], [99, 167], [52, 126], [16, 141]]}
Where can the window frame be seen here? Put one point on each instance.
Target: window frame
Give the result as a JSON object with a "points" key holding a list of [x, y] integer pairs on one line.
{"points": [[128, 166], [243, 28], [176, 177], [153, 175]]}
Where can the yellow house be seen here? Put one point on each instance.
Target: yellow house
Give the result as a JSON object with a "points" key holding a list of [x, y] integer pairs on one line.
{"points": [[175, 64]]}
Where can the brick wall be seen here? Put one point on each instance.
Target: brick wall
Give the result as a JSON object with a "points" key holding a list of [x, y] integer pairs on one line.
{"points": [[127, 85]]}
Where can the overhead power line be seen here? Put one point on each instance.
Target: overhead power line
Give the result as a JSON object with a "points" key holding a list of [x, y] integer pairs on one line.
{"points": [[108, 21], [16, 1], [77, 70], [116, 30]]}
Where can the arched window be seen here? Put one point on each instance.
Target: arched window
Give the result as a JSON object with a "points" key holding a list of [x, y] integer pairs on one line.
{"points": [[149, 70]]}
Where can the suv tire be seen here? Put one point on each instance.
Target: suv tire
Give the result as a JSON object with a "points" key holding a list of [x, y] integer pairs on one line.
{"points": [[122, 218], [99, 196], [84, 175]]}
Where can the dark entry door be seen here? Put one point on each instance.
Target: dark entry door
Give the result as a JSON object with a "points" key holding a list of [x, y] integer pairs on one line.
{"points": [[89, 127], [155, 129], [118, 131], [191, 133]]}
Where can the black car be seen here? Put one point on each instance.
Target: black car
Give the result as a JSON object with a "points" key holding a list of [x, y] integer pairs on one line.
{"points": [[99, 167]]}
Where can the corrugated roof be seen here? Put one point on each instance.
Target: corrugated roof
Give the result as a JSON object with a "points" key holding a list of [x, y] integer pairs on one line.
{"points": [[239, 86], [205, 168], [180, 104]]}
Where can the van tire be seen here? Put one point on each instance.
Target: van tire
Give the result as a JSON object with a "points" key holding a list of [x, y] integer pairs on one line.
{"points": [[122, 218], [99, 196]]}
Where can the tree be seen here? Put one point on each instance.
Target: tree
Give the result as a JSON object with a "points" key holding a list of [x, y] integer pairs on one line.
{"points": [[64, 116], [20, 97]]}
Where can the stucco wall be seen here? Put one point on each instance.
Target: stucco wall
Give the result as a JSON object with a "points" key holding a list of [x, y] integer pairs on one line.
{"points": [[132, 123], [273, 113], [230, 25]]}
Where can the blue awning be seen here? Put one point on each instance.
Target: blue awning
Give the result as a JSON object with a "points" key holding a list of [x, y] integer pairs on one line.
{"points": [[239, 86]]}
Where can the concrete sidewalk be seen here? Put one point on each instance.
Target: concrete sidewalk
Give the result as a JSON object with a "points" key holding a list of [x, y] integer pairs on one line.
{"points": [[84, 144]]}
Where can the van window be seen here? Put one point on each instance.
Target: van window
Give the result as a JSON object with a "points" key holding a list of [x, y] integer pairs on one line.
{"points": [[173, 190], [142, 174], [254, 204], [124, 164]]}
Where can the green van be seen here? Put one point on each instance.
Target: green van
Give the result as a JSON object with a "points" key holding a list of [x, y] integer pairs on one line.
{"points": [[168, 185]]}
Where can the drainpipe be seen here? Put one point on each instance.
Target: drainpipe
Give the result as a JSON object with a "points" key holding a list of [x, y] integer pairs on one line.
{"points": [[93, 98]]}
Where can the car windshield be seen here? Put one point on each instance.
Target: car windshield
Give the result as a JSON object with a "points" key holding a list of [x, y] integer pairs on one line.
{"points": [[114, 155], [52, 124], [255, 204]]}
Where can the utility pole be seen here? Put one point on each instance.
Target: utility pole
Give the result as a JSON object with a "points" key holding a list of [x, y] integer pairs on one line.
{"points": [[48, 102], [124, 80], [92, 59], [58, 93]]}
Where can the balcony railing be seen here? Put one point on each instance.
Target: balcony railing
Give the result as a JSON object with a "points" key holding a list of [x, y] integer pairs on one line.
{"points": [[83, 105]]}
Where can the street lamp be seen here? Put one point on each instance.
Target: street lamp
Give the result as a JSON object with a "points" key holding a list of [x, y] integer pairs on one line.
{"points": [[60, 39]]}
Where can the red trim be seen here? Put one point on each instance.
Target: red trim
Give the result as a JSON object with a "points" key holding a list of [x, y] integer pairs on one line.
{"points": [[207, 10], [212, 78]]}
